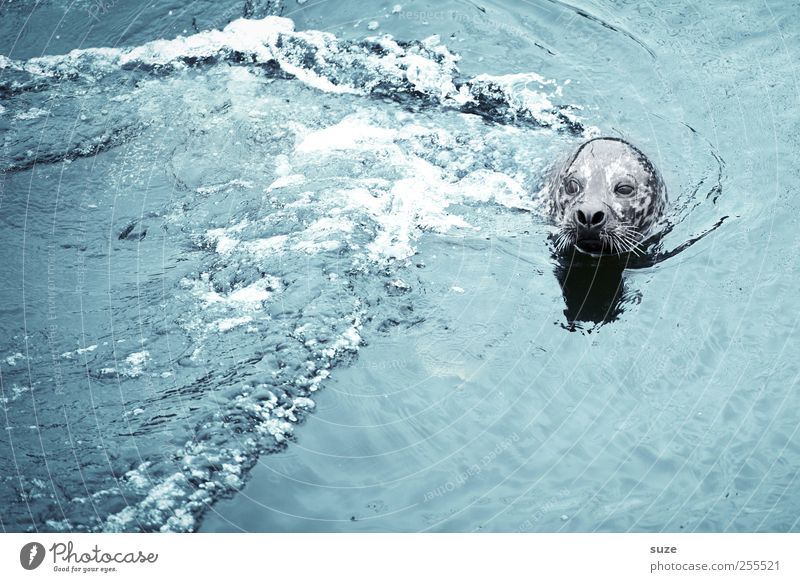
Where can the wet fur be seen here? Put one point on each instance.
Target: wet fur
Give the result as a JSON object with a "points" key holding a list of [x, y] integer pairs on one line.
{"points": [[625, 232]]}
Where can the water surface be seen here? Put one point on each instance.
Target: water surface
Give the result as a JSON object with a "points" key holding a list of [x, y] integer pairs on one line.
{"points": [[294, 274]]}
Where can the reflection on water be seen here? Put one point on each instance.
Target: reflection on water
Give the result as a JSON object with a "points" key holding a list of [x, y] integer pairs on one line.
{"points": [[593, 288]]}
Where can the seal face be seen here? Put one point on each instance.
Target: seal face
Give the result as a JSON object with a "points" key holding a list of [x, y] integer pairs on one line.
{"points": [[607, 198]]}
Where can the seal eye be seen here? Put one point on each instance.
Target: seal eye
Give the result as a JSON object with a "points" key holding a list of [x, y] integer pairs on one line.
{"points": [[624, 189], [572, 187]]}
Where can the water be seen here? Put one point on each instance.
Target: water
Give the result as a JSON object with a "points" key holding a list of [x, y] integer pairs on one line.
{"points": [[266, 280]]}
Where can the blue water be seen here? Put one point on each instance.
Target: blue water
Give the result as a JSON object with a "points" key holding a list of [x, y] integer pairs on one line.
{"points": [[291, 274]]}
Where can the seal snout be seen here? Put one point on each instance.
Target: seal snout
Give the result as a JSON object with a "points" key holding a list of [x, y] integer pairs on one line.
{"points": [[590, 220]]}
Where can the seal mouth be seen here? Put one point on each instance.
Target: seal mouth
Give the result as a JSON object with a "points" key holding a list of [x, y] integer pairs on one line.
{"points": [[590, 246]]}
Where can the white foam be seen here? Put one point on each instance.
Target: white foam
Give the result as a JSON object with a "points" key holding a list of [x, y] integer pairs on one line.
{"points": [[222, 238], [303, 402], [526, 92], [171, 503], [79, 352], [222, 241], [492, 186], [282, 165], [230, 323], [259, 39], [426, 76], [417, 200], [352, 133], [31, 113], [138, 358], [248, 298], [347, 342], [136, 362], [265, 246], [320, 60], [12, 360], [17, 391], [236, 183], [324, 234], [285, 181]]}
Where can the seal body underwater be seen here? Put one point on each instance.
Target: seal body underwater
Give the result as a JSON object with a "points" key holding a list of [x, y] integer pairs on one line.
{"points": [[607, 198]]}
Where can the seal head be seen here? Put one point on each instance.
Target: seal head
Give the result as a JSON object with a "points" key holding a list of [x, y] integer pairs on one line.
{"points": [[607, 198]]}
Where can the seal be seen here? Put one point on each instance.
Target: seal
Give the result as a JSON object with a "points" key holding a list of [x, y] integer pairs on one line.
{"points": [[607, 198]]}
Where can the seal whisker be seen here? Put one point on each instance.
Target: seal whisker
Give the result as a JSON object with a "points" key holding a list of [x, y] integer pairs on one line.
{"points": [[610, 241], [625, 237], [558, 240], [621, 241], [607, 240], [617, 246], [567, 241], [630, 234], [564, 239], [630, 230], [632, 245]]}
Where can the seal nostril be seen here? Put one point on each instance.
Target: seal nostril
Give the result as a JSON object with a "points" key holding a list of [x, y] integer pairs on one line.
{"points": [[581, 217], [598, 218]]}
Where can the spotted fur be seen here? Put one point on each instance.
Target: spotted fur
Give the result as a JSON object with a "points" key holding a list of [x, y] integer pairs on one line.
{"points": [[594, 177]]}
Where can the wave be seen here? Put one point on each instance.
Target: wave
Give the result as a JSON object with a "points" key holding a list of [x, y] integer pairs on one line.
{"points": [[416, 73]]}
